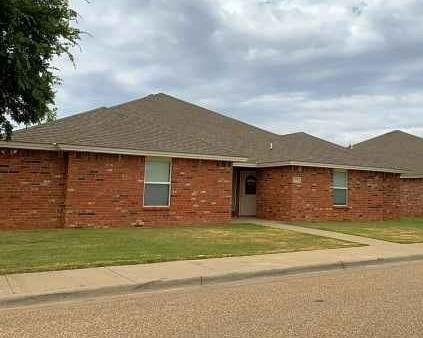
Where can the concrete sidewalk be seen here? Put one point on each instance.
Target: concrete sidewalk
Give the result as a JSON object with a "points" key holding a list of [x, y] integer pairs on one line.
{"points": [[317, 232], [21, 289]]}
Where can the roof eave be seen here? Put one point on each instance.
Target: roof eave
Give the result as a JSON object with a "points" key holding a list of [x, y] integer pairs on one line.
{"points": [[118, 151], [318, 165]]}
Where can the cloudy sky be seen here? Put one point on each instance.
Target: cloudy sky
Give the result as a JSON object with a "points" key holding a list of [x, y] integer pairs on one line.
{"points": [[343, 70]]}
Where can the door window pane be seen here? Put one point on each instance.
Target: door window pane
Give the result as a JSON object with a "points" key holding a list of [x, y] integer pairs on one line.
{"points": [[250, 185]]}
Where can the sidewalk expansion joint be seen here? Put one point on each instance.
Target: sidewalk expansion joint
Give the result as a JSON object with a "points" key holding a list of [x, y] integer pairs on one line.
{"points": [[121, 275], [9, 284]]}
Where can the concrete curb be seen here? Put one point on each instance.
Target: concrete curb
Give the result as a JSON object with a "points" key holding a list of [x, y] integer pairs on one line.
{"points": [[32, 299]]}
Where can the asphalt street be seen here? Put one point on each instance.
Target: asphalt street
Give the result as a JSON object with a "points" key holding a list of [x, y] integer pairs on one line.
{"points": [[383, 301]]}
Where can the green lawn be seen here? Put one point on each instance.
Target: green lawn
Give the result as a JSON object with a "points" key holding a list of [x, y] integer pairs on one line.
{"points": [[42, 250], [408, 230]]}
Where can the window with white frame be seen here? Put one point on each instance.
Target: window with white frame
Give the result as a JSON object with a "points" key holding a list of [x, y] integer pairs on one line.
{"points": [[157, 182], [339, 187]]}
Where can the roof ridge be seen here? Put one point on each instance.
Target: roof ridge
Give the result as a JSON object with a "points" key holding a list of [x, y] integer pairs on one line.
{"points": [[318, 139], [215, 113], [87, 112], [144, 98], [395, 131], [156, 124], [160, 122], [59, 120]]}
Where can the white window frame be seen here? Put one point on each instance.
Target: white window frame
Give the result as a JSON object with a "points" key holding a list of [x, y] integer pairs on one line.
{"points": [[333, 187], [148, 159]]}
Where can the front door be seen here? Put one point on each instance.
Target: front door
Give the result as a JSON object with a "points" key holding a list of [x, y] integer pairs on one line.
{"points": [[247, 193]]}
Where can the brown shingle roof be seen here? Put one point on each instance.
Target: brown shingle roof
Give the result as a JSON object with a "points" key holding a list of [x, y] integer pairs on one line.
{"points": [[302, 147], [154, 123], [165, 124], [396, 148]]}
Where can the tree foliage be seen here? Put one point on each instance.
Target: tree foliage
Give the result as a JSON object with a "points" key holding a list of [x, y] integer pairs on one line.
{"points": [[32, 33]]}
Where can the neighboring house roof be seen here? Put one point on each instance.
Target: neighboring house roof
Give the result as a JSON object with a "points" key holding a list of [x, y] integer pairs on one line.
{"points": [[161, 124], [395, 148]]}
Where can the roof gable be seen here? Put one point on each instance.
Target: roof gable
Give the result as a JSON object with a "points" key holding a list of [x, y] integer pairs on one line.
{"points": [[396, 148]]}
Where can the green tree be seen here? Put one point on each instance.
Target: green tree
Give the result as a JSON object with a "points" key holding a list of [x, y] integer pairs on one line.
{"points": [[32, 33]]}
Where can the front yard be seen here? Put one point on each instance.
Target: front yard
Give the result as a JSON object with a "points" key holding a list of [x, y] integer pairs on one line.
{"points": [[406, 231], [43, 250]]}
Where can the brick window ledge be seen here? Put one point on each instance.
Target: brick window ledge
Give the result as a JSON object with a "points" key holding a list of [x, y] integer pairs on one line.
{"points": [[155, 208]]}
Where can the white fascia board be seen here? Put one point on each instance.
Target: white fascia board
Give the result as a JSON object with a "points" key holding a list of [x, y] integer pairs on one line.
{"points": [[118, 151], [121, 151], [29, 146], [318, 165], [245, 164]]}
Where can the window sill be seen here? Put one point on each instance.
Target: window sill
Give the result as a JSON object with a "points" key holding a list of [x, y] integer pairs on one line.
{"points": [[340, 207], [152, 208]]}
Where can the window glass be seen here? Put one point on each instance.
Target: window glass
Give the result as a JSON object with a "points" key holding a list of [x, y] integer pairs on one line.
{"points": [[156, 195], [339, 187], [157, 170], [340, 179], [340, 196], [157, 182]]}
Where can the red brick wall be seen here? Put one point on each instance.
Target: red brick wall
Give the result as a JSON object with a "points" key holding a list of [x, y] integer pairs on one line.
{"points": [[40, 189], [274, 193], [31, 189], [304, 193], [412, 197], [107, 190]]}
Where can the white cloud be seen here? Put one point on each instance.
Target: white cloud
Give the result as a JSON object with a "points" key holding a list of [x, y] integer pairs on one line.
{"points": [[343, 70], [344, 119]]}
